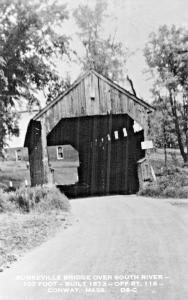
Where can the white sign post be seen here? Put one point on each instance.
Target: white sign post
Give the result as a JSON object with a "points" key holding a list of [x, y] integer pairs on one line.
{"points": [[147, 145]]}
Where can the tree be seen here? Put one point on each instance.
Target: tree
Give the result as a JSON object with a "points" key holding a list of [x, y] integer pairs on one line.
{"points": [[57, 87], [29, 41], [105, 55], [161, 124], [167, 57]]}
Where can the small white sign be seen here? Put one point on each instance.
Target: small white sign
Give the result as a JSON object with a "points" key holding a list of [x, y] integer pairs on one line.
{"points": [[147, 145], [116, 135], [124, 132]]}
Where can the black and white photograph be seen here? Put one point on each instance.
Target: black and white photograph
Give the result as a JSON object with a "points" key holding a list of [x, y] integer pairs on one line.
{"points": [[93, 149]]}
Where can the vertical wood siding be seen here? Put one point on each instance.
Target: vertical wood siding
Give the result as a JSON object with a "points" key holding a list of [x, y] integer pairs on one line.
{"points": [[107, 99], [85, 117]]}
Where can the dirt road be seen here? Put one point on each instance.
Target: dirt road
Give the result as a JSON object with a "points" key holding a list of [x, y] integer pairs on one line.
{"points": [[140, 243]]}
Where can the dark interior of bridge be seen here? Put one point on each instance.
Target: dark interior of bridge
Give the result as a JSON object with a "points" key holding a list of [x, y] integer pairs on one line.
{"points": [[108, 153]]}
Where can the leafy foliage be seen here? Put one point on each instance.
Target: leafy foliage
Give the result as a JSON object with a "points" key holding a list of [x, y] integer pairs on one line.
{"points": [[172, 180], [105, 55], [57, 87], [161, 124], [29, 40], [40, 199], [169, 185], [167, 57]]}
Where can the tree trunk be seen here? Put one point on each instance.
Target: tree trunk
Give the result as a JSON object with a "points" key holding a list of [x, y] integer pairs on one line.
{"points": [[132, 85], [186, 147], [165, 154], [177, 127], [164, 144], [186, 128]]}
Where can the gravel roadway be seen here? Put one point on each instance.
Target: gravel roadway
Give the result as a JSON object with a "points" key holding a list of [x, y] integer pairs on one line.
{"points": [[119, 247]]}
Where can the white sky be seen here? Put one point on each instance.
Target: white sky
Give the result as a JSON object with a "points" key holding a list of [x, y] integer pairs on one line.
{"points": [[133, 20]]}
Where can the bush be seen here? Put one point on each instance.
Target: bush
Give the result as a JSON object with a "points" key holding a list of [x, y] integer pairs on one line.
{"points": [[5, 203], [40, 198], [51, 198], [182, 192], [170, 192], [172, 181], [3, 186], [151, 191]]}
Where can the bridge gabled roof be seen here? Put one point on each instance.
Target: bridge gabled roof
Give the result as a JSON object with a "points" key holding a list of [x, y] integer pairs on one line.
{"points": [[91, 94], [105, 79]]}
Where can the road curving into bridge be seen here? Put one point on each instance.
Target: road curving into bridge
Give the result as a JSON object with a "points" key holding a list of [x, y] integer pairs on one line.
{"points": [[119, 247]]}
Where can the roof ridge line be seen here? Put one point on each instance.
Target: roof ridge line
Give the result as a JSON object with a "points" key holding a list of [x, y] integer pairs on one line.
{"points": [[111, 82], [75, 83], [79, 79]]}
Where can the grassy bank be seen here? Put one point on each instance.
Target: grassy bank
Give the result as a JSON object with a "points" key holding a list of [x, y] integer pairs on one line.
{"points": [[17, 172], [65, 172], [172, 179], [22, 232], [28, 217]]}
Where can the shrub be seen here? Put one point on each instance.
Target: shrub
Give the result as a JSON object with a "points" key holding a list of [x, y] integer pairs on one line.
{"points": [[182, 192], [151, 191], [3, 186], [169, 192], [40, 198], [172, 181], [51, 198], [5, 203]]}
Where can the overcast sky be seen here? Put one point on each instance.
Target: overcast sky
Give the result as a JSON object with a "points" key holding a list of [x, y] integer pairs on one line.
{"points": [[134, 20]]}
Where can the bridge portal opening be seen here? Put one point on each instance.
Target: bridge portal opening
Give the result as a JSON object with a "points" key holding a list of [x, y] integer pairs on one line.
{"points": [[108, 150]]}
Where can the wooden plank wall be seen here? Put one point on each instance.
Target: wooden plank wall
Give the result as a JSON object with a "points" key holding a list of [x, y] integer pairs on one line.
{"points": [[38, 155], [94, 96], [35, 155], [107, 165]]}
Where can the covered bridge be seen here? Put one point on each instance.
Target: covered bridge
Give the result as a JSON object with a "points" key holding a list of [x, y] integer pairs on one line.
{"points": [[96, 116]]}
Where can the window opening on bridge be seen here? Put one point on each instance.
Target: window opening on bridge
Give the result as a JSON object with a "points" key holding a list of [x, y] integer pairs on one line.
{"points": [[137, 127], [124, 132], [116, 135]]}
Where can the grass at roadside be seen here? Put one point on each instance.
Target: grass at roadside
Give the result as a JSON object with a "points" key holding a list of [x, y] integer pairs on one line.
{"points": [[22, 232], [28, 216], [17, 172], [65, 172], [172, 180], [37, 199]]}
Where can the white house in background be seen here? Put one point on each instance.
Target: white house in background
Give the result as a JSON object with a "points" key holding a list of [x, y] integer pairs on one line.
{"points": [[16, 151]]}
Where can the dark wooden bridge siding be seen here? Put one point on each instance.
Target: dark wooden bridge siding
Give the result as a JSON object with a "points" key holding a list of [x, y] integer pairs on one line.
{"points": [[94, 95], [35, 155], [86, 116], [107, 165]]}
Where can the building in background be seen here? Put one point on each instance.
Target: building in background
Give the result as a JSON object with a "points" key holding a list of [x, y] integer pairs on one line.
{"points": [[16, 152]]}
